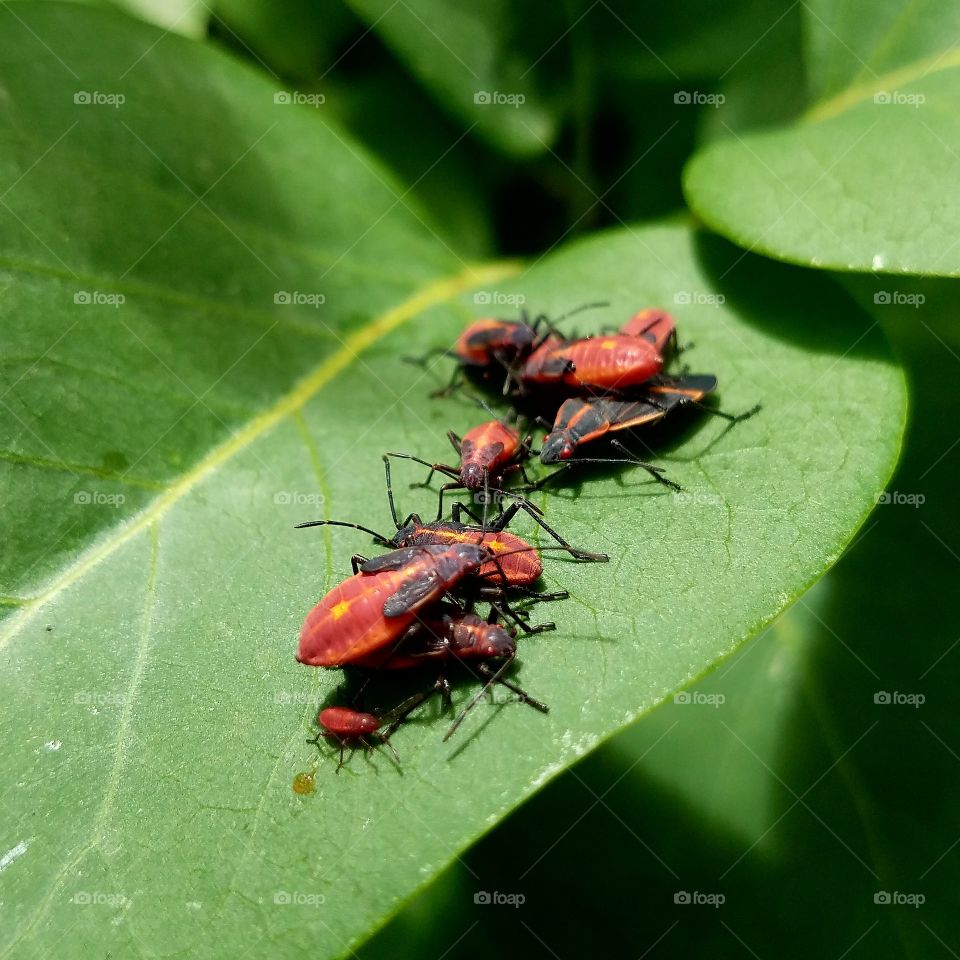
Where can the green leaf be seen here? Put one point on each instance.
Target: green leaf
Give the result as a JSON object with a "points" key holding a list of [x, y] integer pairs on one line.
{"points": [[478, 60], [765, 85], [160, 447], [446, 180], [781, 781], [865, 180], [855, 44]]}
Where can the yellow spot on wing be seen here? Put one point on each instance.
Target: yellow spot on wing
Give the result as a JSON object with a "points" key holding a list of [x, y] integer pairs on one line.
{"points": [[340, 609]]}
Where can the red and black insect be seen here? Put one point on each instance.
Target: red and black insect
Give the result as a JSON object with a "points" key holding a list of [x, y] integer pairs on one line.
{"points": [[348, 726], [493, 343], [518, 565], [615, 362], [446, 633], [489, 454], [581, 421], [656, 327], [491, 340], [371, 610]]}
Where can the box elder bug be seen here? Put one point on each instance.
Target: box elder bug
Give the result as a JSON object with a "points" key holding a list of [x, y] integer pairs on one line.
{"points": [[655, 326], [580, 420], [489, 453], [615, 362], [520, 566], [349, 726], [491, 343], [371, 610], [447, 633]]}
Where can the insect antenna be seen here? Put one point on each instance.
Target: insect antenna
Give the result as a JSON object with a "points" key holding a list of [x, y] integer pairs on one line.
{"points": [[379, 537]]}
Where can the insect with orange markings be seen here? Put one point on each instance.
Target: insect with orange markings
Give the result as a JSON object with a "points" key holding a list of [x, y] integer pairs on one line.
{"points": [[491, 343], [605, 363], [519, 564], [655, 326], [581, 420], [446, 633], [371, 610]]}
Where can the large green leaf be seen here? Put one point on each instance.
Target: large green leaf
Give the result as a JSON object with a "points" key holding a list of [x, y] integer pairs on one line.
{"points": [[160, 448], [866, 180], [785, 781]]}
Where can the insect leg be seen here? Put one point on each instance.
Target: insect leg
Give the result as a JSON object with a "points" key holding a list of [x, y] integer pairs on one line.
{"points": [[504, 610], [523, 504], [522, 694], [732, 417], [454, 384], [476, 699], [654, 471], [456, 485], [458, 509]]}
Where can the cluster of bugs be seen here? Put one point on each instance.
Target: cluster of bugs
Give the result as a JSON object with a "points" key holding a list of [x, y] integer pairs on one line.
{"points": [[416, 607]]}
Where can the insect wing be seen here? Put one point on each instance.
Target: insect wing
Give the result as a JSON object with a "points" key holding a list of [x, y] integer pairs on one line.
{"points": [[424, 588]]}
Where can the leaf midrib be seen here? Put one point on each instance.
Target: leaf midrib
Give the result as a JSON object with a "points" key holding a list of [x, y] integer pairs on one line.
{"points": [[859, 92], [431, 294]]}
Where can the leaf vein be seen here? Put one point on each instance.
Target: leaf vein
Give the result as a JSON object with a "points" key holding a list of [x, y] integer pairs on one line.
{"points": [[433, 293]]}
